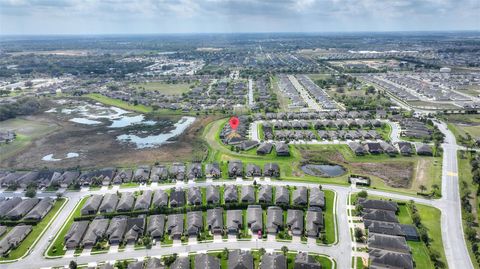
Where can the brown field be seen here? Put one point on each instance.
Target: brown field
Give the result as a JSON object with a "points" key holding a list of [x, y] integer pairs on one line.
{"points": [[98, 147]]}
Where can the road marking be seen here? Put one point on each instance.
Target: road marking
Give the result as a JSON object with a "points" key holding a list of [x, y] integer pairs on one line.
{"points": [[452, 174]]}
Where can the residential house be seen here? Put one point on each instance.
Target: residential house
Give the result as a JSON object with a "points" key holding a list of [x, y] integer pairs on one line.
{"points": [[74, 236], [40, 210], [405, 148], [212, 170], [116, 229], [255, 218], [205, 261], [253, 170], [316, 198], [159, 173], [240, 259], [181, 263], [282, 195], [142, 174], [194, 223], [374, 147], [247, 194], [156, 226], [265, 194], [388, 259], [299, 196], [22, 208], [126, 202], [143, 200], [368, 204], [177, 171], [194, 196], [174, 226], [424, 149], [357, 148], [305, 261], [274, 219], [177, 197], [282, 149], [9, 204], [235, 169], [271, 170], [14, 238], [135, 229], [230, 194], [234, 221], [215, 220], [212, 194], [388, 242], [95, 232], [295, 221], [264, 148], [273, 261], [160, 198], [123, 176], [91, 205], [314, 222], [109, 203], [194, 171]]}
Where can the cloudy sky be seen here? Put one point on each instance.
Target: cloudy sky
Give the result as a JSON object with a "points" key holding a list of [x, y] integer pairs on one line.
{"points": [[207, 16]]}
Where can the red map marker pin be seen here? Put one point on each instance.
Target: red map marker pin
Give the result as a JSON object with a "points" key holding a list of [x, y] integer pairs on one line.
{"points": [[234, 122]]}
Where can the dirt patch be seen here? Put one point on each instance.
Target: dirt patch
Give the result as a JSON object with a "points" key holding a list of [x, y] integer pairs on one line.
{"points": [[97, 146], [393, 174], [397, 175]]}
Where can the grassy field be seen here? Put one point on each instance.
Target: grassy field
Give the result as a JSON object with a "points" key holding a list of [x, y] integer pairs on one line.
{"points": [[56, 247], [27, 131], [163, 87], [461, 124], [465, 175], [36, 232], [329, 217], [119, 103], [282, 99]]}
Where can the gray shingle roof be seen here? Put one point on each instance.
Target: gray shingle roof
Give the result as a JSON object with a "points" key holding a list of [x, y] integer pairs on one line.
{"points": [[247, 194], [265, 194], [41, 209], [156, 225], [160, 198], [317, 197], [234, 220], [255, 218], [91, 205], [282, 195], [75, 234], [273, 261], [239, 259], [274, 219], [206, 261], [109, 203], [143, 200], [126, 202], [194, 222], [14, 238], [22, 208], [174, 225], [314, 222], [295, 221], [96, 230], [215, 220]]}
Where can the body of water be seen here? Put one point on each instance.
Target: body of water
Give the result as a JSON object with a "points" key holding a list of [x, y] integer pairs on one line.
{"points": [[323, 170]]}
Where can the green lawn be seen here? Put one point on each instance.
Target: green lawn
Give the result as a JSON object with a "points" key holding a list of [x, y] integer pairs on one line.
{"points": [[163, 87], [56, 248], [119, 103], [37, 232], [330, 234], [27, 131]]}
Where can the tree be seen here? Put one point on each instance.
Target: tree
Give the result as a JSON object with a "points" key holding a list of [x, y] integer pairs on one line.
{"points": [[358, 233], [31, 192], [422, 188], [261, 251], [284, 250], [72, 265], [362, 194]]}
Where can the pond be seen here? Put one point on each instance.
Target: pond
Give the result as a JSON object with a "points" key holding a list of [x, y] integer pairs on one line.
{"points": [[152, 141], [323, 170]]}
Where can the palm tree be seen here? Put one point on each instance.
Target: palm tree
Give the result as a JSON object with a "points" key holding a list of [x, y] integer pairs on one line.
{"points": [[422, 188]]}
